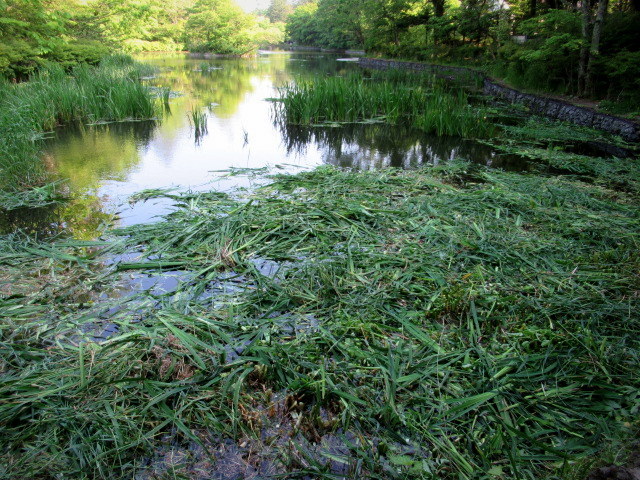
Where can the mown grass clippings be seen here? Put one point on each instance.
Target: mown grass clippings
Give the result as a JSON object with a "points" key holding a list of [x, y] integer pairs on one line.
{"points": [[452, 322]]}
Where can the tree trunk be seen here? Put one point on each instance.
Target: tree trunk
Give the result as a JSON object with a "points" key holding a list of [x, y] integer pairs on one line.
{"points": [[594, 51], [438, 8], [584, 50]]}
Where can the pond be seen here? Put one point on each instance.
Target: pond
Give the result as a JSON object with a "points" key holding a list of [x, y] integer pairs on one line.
{"points": [[103, 165]]}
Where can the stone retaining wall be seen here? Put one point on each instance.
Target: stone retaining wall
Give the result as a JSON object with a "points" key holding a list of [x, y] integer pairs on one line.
{"points": [[539, 104]]}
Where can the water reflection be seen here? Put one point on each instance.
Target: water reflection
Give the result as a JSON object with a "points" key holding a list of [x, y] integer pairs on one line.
{"points": [[87, 155], [104, 164], [372, 146], [82, 217]]}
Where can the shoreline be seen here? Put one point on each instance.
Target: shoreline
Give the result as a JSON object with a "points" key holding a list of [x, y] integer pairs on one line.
{"points": [[539, 104]]}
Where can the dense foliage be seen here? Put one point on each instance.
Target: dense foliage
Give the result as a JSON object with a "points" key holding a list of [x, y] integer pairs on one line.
{"points": [[34, 32], [591, 49], [220, 26]]}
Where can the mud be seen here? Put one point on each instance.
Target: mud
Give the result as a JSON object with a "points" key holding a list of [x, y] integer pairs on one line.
{"points": [[629, 471]]}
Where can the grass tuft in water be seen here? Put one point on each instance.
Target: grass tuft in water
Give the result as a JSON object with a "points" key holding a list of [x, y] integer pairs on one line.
{"points": [[399, 99], [198, 120]]}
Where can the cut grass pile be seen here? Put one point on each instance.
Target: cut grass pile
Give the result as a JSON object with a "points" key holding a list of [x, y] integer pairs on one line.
{"points": [[423, 102], [554, 147], [111, 92], [452, 322]]}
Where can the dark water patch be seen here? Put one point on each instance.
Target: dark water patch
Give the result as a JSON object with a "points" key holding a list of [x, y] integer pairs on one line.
{"points": [[284, 436], [372, 146], [600, 149], [39, 222]]}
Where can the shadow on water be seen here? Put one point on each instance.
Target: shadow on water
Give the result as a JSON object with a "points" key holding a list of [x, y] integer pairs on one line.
{"points": [[371, 146], [39, 222], [81, 217]]}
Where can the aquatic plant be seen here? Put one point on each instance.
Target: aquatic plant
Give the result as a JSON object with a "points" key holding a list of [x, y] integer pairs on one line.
{"points": [[111, 92], [165, 95], [198, 120], [389, 97], [450, 322]]}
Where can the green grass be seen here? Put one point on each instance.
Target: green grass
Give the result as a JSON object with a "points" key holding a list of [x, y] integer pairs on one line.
{"points": [[198, 120], [458, 322], [111, 92], [400, 99]]}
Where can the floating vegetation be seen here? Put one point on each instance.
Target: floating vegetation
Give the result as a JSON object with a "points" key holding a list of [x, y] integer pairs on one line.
{"points": [[206, 67], [451, 322], [432, 107]]}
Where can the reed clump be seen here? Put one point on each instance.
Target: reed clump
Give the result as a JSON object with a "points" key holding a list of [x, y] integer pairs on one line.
{"points": [[198, 120], [451, 322], [424, 102], [111, 92]]}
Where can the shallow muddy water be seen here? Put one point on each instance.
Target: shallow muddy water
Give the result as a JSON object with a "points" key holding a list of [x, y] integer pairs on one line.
{"points": [[103, 165]]}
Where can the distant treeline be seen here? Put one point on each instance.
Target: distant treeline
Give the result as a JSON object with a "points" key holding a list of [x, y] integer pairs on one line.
{"points": [[590, 47], [68, 32]]}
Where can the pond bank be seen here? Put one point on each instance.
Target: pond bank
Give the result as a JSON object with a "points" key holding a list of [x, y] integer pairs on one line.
{"points": [[538, 104]]}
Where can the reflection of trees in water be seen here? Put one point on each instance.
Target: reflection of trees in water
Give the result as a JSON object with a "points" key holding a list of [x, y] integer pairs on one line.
{"points": [[87, 155], [371, 146], [226, 81], [81, 217]]}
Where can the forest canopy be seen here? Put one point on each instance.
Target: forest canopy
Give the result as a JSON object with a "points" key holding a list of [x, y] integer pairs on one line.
{"points": [[33, 32], [589, 48]]}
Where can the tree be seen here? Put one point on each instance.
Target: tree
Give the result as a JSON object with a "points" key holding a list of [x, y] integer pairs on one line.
{"points": [[302, 25], [30, 31], [136, 26], [341, 23], [219, 26], [278, 11], [591, 32]]}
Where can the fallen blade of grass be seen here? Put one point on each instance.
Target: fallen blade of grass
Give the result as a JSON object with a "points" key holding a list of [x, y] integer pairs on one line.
{"points": [[401, 309]]}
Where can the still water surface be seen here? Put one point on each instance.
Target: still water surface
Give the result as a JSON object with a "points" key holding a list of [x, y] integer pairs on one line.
{"points": [[105, 164]]}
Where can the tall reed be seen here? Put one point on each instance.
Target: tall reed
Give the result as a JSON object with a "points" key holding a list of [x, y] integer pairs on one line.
{"points": [[111, 92], [426, 103]]}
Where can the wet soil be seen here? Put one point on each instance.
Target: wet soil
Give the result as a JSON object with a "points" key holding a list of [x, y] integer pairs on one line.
{"points": [[630, 470]]}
